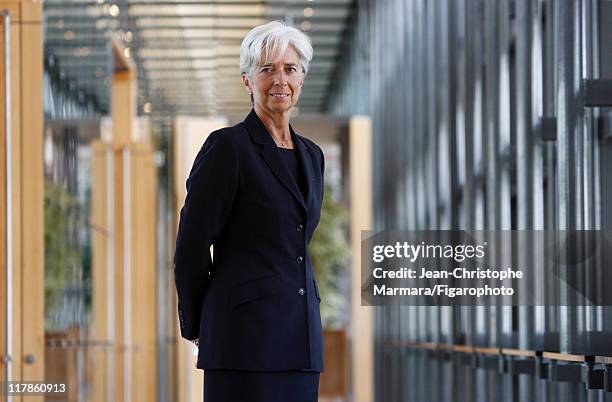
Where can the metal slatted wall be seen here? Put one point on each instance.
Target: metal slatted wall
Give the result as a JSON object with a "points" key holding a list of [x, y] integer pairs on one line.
{"points": [[482, 120]]}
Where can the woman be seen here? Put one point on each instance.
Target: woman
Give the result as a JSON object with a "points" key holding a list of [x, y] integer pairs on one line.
{"points": [[255, 193]]}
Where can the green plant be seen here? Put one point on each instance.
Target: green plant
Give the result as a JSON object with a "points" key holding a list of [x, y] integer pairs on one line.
{"points": [[329, 250], [61, 252]]}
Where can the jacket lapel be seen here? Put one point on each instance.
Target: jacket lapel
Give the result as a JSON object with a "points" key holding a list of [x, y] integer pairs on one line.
{"points": [[271, 155]]}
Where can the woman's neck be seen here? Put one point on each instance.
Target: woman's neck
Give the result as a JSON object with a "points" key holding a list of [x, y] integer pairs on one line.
{"points": [[277, 125]]}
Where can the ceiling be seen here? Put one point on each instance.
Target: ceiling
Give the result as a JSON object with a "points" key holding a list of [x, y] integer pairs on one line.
{"points": [[186, 52]]}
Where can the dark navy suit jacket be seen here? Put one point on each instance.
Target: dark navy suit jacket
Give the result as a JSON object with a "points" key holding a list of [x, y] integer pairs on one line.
{"points": [[255, 304]]}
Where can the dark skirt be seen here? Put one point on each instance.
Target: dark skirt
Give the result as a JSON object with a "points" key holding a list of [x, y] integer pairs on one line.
{"points": [[260, 386]]}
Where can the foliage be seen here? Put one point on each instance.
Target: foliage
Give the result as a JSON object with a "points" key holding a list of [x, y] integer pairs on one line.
{"points": [[61, 251], [329, 250]]}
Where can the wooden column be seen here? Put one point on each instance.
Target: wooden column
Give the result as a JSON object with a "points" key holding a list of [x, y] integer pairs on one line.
{"points": [[361, 335], [103, 284], [135, 245], [143, 207], [26, 225]]}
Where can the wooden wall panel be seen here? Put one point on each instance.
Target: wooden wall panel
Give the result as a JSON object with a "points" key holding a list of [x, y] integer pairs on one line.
{"points": [[123, 115], [3, 256], [119, 349], [361, 332], [16, 196], [27, 222], [334, 380], [143, 209], [15, 223], [135, 245], [32, 190], [136, 347], [102, 330], [123, 107]]}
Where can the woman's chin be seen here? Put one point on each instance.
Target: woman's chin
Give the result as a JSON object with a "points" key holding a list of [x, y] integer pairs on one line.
{"points": [[280, 107]]}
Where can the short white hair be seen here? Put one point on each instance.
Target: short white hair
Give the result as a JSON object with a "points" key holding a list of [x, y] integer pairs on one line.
{"points": [[273, 38]]}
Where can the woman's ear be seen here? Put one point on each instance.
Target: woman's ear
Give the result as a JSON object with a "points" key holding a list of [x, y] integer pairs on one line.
{"points": [[246, 83]]}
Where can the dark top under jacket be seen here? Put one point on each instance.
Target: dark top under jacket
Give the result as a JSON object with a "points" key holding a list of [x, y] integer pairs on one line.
{"points": [[294, 167], [255, 304]]}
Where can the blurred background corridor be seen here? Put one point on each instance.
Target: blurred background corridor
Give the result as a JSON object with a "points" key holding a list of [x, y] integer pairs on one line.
{"points": [[432, 114]]}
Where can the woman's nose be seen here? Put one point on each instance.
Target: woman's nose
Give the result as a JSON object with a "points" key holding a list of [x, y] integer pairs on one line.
{"points": [[280, 78]]}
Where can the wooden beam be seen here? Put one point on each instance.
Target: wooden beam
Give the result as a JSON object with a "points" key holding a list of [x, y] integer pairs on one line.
{"points": [[360, 190]]}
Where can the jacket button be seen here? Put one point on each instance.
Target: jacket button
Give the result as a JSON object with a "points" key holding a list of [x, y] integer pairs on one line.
{"points": [[301, 291], [299, 228], [299, 259]]}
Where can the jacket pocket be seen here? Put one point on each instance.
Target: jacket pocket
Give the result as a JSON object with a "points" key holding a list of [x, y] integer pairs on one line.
{"points": [[253, 290], [316, 290]]}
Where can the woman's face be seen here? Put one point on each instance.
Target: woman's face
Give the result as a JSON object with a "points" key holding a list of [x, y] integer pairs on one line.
{"points": [[276, 86]]}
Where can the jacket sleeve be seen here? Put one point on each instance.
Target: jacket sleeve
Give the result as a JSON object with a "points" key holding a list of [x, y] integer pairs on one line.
{"points": [[211, 188]]}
